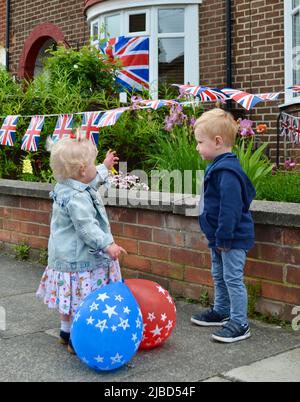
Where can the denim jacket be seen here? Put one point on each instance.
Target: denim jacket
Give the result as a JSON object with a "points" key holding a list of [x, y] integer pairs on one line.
{"points": [[80, 231]]}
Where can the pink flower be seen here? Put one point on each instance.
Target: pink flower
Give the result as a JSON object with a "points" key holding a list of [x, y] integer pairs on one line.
{"points": [[290, 164], [246, 128]]}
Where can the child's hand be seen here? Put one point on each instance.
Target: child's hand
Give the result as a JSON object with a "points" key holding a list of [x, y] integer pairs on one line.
{"points": [[111, 159], [223, 250], [114, 251]]}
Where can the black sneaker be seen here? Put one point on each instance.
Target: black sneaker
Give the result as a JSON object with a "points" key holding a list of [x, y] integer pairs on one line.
{"points": [[209, 318], [232, 332], [64, 338]]}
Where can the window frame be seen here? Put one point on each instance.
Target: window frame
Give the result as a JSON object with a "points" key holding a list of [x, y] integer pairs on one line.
{"points": [[191, 36], [289, 13]]}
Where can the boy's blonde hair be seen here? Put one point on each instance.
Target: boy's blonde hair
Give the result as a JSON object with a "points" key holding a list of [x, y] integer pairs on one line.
{"points": [[68, 155], [217, 122]]}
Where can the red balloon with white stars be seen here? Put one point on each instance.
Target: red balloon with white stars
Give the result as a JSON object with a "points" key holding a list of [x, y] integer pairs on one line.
{"points": [[158, 310]]}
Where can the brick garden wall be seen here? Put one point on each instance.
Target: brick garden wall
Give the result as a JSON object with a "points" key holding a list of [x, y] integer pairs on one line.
{"points": [[27, 14], [171, 249]]}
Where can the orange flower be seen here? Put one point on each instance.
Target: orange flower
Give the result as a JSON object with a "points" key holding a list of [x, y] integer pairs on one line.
{"points": [[261, 128]]}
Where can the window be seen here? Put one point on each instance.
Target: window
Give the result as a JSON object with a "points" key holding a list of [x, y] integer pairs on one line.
{"points": [[292, 47], [173, 29]]}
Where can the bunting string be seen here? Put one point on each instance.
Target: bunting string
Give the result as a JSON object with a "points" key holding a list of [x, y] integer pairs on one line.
{"points": [[93, 121]]}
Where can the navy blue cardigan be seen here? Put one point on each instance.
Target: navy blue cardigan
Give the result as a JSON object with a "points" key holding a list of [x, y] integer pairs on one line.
{"points": [[226, 220]]}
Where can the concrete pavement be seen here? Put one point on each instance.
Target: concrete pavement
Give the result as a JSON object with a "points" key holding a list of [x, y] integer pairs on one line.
{"points": [[29, 350]]}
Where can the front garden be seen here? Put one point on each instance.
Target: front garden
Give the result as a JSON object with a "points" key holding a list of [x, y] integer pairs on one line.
{"points": [[146, 139]]}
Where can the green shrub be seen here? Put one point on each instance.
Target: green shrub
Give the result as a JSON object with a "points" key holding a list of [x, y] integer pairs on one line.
{"points": [[22, 252], [282, 186]]}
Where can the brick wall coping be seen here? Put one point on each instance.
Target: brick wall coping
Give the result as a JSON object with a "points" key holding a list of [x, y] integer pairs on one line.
{"points": [[264, 212]]}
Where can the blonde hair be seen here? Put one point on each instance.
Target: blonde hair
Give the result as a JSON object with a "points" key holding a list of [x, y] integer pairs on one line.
{"points": [[217, 122], [68, 155]]}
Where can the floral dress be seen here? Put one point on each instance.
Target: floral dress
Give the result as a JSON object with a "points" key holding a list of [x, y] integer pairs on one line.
{"points": [[65, 291]]}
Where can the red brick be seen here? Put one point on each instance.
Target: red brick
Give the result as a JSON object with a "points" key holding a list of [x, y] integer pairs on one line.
{"points": [[293, 275], [167, 270], [268, 234], [44, 231], [196, 275], [117, 228], [136, 262], [130, 245], [138, 232], [264, 270], [281, 293], [291, 237], [153, 219], [196, 241], [29, 228], [122, 215], [29, 203], [154, 251], [192, 258], [5, 236], [168, 236]]}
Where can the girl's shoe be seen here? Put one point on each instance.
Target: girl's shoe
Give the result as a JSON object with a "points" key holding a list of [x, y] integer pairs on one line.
{"points": [[70, 348], [64, 338]]}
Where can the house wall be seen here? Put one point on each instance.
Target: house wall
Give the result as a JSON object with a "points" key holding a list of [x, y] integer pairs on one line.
{"points": [[2, 31], [26, 15]]}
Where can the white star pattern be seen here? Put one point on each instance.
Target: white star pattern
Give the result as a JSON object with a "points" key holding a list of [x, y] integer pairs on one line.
{"points": [[138, 323], [163, 317], [110, 311], [103, 297], [101, 325], [156, 331], [114, 328], [161, 290], [170, 299], [85, 360], [77, 316], [170, 325], [116, 359], [140, 312], [99, 359], [119, 298], [126, 310], [124, 324], [151, 317], [158, 341], [94, 307], [90, 321], [134, 337]]}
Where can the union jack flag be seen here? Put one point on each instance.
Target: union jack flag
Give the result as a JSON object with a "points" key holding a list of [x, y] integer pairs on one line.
{"points": [[63, 127], [295, 88], [8, 131], [30, 141], [190, 89], [212, 95], [157, 104], [297, 131], [246, 100], [110, 117], [90, 126], [270, 97], [134, 56]]}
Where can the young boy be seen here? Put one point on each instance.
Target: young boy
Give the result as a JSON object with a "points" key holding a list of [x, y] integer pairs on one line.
{"points": [[227, 223]]}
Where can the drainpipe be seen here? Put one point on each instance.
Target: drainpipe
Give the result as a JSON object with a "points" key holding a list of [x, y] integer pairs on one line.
{"points": [[229, 46], [7, 31]]}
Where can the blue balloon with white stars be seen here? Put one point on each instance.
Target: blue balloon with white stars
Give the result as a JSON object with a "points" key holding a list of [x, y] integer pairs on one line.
{"points": [[107, 328]]}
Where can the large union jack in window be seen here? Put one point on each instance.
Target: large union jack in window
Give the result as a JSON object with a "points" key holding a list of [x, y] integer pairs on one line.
{"points": [[8, 131], [133, 53], [31, 139]]}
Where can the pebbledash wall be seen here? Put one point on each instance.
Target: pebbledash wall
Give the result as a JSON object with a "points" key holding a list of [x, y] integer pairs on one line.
{"points": [[166, 246]]}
